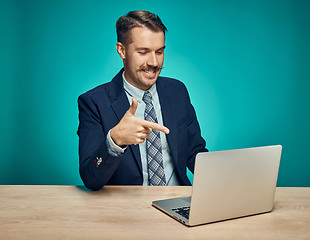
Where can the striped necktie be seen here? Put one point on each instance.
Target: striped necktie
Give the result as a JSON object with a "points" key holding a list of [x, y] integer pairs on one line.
{"points": [[153, 146]]}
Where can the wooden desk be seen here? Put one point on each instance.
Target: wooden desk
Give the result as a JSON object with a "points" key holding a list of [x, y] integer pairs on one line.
{"points": [[70, 212]]}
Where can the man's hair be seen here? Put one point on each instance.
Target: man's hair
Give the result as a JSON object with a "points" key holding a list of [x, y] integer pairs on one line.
{"points": [[135, 19]]}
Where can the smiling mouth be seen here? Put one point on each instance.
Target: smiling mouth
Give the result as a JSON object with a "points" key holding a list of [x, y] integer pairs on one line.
{"points": [[150, 71], [149, 74]]}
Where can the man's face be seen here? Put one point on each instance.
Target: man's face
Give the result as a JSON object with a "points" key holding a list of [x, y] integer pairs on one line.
{"points": [[143, 57]]}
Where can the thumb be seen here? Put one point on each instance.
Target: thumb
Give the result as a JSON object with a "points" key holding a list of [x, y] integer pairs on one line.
{"points": [[133, 106]]}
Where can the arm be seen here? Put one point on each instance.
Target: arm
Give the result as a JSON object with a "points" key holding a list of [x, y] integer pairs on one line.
{"points": [[97, 162], [195, 142], [93, 146]]}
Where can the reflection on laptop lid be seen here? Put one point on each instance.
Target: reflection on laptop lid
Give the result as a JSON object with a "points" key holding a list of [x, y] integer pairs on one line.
{"points": [[228, 184]]}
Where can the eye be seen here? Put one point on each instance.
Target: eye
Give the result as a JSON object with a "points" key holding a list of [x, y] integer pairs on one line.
{"points": [[142, 53], [159, 52]]}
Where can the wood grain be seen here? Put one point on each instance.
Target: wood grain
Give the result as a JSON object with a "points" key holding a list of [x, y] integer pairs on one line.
{"points": [[122, 212]]}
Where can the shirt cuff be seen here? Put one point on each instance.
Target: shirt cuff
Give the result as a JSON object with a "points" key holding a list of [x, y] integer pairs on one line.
{"points": [[114, 149]]}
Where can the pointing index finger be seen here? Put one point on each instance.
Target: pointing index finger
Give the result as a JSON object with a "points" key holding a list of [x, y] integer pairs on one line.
{"points": [[155, 126]]}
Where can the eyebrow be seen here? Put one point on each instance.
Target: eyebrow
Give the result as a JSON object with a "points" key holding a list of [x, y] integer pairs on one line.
{"points": [[147, 49]]}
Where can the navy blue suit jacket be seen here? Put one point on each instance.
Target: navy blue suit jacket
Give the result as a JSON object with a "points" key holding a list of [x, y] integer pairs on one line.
{"points": [[101, 108]]}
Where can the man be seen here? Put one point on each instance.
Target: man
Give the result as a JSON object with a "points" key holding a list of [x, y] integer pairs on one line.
{"points": [[150, 142]]}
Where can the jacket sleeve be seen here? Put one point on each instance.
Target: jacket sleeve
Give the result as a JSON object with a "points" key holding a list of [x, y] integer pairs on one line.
{"points": [[195, 141], [96, 165]]}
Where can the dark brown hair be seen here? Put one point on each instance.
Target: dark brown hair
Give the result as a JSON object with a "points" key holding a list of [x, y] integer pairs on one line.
{"points": [[135, 19]]}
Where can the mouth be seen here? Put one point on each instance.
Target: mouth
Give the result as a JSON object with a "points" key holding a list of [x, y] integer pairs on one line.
{"points": [[149, 73]]}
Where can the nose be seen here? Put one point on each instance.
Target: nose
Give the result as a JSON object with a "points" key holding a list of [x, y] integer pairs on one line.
{"points": [[152, 60]]}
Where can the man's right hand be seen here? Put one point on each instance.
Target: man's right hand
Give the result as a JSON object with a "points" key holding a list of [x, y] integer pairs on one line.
{"points": [[132, 130]]}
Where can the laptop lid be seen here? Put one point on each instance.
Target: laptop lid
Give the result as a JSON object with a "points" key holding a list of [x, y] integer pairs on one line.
{"points": [[231, 184]]}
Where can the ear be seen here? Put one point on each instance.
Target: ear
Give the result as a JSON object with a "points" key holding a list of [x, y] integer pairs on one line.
{"points": [[120, 48]]}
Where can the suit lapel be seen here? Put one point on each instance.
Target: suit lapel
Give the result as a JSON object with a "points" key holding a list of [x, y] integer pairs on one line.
{"points": [[167, 110], [120, 105]]}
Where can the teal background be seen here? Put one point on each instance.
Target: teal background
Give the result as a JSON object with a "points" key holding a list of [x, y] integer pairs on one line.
{"points": [[245, 63]]}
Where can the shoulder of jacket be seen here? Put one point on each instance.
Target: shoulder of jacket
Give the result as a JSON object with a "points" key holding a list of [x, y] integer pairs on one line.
{"points": [[171, 82], [99, 90]]}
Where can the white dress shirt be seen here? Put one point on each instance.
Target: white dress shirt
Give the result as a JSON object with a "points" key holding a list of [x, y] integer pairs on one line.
{"points": [[137, 93]]}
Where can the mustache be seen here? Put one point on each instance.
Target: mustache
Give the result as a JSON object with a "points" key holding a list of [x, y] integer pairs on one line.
{"points": [[149, 68]]}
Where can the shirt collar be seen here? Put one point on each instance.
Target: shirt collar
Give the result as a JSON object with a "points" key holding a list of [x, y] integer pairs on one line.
{"points": [[136, 92]]}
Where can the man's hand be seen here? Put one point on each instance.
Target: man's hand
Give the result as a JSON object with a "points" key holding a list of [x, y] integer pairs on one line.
{"points": [[132, 130]]}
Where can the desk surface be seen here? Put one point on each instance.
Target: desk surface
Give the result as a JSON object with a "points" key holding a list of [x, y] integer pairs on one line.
{"points": [[70, 212]]}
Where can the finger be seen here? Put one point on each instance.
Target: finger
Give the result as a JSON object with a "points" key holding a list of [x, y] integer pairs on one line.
{"points": [[144, 135], [146, 130], [133, 106], [156, 126], [139, 140], [142, 140], [142, 129]]}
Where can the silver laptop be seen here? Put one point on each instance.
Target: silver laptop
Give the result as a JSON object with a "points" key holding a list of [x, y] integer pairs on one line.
{"points": [[228, 184]]}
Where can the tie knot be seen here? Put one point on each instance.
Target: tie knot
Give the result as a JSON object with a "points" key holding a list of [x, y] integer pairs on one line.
{"points": [[147, 97]]}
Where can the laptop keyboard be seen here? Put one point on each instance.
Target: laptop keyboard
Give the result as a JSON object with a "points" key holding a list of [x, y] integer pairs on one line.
{"points": [[183, 211]]}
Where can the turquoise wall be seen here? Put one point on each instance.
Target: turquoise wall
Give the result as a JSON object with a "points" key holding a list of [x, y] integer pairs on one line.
{"points": [[245, 63]]}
